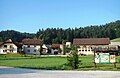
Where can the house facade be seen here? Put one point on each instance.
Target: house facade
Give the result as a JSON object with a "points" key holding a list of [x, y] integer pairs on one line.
{"points": [[32, 46], [8, 47], [85, 45], [56, 49], [45, 49], [115, 43], [68, 44]]}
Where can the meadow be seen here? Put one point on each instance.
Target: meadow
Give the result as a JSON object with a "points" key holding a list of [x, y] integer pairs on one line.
{"points": [[53, 63]]}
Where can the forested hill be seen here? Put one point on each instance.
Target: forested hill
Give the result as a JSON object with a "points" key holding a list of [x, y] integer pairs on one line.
{"points": [[57, 35], [14, 35]]}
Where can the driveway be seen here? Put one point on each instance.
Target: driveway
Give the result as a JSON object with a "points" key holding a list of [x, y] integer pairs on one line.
{"points": [[10, 72]]}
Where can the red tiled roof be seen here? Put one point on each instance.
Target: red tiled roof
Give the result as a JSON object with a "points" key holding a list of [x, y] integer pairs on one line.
{"points": [[91, 41], [55, 46], [8, 41], [32, 41]]}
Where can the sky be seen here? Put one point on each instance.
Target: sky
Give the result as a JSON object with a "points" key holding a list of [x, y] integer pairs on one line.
{"points": [[32, 15]]}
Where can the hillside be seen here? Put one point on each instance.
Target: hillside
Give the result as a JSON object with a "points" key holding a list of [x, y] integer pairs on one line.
{"points": [[57, 35], [14, 35], [115, 40]]}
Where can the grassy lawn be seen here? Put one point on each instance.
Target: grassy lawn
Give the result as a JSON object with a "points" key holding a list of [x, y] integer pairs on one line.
{"points": [[87, 64], [16, 60], [116, 40], [32, 62]]}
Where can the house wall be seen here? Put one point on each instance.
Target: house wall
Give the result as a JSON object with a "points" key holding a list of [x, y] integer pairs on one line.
{"points": [[61, 47], [45, 49], [68, 44], [87, 49], [31, 49], [115, 43], [8, 49], [1, 51], [53, 51]]}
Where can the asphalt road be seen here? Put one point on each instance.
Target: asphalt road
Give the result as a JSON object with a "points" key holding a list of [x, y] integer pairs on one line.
{"points": [[10, 72]]}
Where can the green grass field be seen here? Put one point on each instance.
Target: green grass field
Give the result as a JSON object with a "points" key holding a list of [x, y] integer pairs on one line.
{"points": [[32, 62], [116, 40], [53, 63]]}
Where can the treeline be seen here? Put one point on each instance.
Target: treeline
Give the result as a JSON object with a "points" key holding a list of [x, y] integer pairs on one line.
{"points": [[14, 35], [57, 35]]}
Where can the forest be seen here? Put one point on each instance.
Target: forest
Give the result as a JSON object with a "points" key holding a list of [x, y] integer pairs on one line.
{"points": [[57, 35]]}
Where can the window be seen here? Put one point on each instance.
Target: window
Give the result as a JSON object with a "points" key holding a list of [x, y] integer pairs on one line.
{"points": [[28, 50], [11, 46], [4, 50], [5, 46], [34, 50], [11, 50], [34, 45], [28, 45]]}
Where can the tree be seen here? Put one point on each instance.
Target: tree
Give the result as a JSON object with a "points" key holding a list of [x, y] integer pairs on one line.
{"points": [[1, 39], [73, 58], [56, 35]]}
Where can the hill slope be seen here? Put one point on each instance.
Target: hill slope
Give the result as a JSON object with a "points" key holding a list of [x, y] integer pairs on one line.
{"points": [[115, 40], [57, 35]]}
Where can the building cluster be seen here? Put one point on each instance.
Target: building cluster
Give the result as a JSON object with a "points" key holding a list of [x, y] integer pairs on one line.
{"points": [[85, 46]]}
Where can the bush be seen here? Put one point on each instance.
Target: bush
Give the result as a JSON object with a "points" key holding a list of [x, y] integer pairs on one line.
{"points": [[73, 58]]}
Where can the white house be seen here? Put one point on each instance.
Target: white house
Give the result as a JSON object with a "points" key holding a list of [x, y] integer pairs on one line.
{"points": [[68, 44], [56, 49], [32, 46], [44, 49], [85, 45], [115, 43], [8, 47]]}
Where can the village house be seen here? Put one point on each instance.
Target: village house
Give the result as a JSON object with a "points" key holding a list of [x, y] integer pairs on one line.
{"points": [[8, 47], [46, 49], [68, 44], [32, 46], [85, 45], [115, 43], [56, 49]]}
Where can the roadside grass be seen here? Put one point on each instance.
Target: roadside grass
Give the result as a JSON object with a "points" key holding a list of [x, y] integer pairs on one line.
{"points": [[52, 63]]}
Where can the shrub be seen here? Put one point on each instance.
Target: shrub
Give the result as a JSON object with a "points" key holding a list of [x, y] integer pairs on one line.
{"points": [[73, 58]]}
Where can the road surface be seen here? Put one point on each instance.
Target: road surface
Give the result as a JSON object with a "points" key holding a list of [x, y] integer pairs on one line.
{"points": [[10, 72]]}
